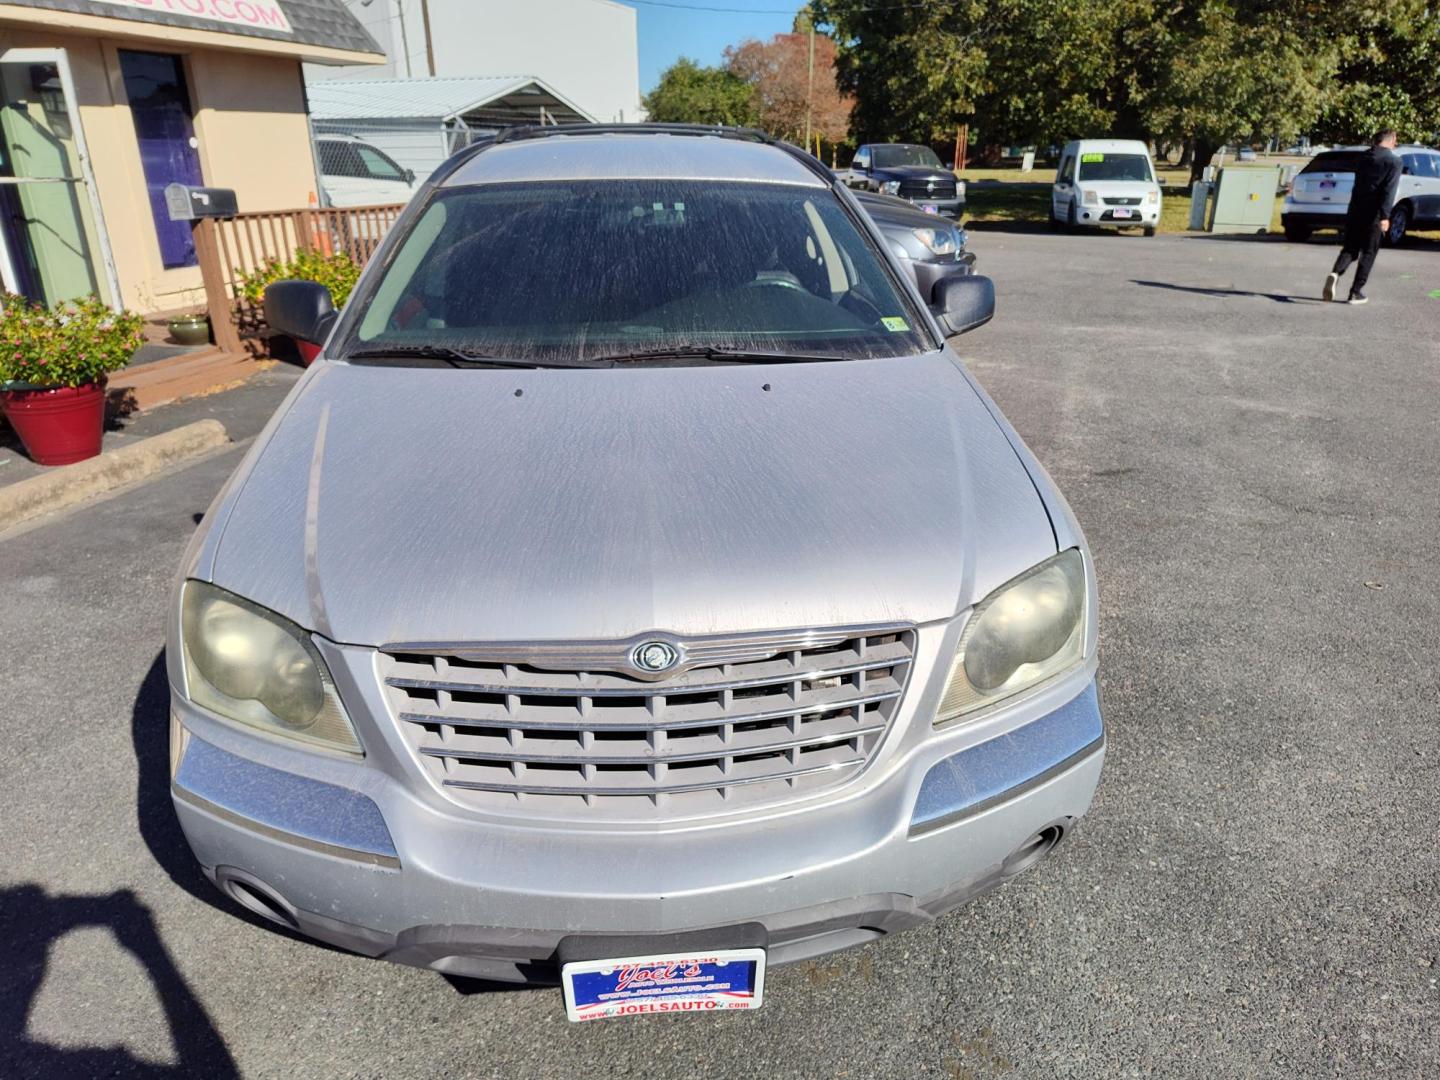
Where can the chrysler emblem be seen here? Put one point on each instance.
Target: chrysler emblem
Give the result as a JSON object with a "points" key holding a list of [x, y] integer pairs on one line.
{"points": [[930, 185], [654, 656]]}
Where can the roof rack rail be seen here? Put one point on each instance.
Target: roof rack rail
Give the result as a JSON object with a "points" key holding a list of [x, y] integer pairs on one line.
{"points": [[545, 131]]}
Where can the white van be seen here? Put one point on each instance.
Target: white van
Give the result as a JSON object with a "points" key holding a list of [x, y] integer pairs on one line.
{"points": [[1105, 183]]}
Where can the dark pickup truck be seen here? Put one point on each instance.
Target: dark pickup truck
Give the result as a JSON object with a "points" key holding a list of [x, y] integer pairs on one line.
{"points": [[908, 172]]}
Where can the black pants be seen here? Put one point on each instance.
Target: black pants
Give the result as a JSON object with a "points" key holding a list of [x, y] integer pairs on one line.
{"points": [[1361, 242]]}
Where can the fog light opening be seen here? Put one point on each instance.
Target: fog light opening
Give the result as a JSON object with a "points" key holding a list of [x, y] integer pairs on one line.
{"points": [[254, 896], [1033, 850]]}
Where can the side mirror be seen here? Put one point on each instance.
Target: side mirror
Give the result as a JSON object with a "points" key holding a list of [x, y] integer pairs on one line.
{"points": [[410, 176], [963, 303], [302, 309]]}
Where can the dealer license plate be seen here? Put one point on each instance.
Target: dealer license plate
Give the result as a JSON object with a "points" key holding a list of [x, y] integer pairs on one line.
{"points": [[712, 981], [1121, 214], [1327, 184], [930, 208]]}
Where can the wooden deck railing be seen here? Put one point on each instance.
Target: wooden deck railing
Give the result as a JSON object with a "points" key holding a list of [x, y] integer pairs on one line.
{"points": [[231, 248]]}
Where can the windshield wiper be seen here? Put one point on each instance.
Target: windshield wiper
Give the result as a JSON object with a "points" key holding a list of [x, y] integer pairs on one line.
{"points": [[443, 353], [707, 352]]}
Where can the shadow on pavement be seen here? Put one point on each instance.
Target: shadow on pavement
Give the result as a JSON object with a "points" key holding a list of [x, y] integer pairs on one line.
{"points": [[31, 921], [1279, 298]]}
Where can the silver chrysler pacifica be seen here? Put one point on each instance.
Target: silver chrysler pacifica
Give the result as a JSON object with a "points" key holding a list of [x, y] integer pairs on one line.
{"points": [[636, 593]]}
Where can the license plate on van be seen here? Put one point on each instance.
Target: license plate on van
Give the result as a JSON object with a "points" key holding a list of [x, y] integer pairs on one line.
{"points": [[712, 982], [1122, 214]]}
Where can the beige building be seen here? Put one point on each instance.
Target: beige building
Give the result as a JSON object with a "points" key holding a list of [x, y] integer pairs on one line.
{"points": [[105, 102]]}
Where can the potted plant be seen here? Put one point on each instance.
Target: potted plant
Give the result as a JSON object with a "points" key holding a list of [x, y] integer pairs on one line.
{"points": [[53, 363], [193, 329], [337, 272]]}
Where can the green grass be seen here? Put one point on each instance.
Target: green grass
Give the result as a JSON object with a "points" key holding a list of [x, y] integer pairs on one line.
{"points": [[1013, 196]]}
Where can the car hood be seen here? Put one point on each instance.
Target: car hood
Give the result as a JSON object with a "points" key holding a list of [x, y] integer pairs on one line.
{"points": [[915, 172], [1118, 187], [404, 504]]}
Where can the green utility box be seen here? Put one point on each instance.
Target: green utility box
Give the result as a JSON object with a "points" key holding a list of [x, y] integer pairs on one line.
{"points": [[1244, 199]]}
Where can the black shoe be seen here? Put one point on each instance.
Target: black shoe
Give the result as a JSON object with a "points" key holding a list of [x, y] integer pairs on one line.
{"points": [[1358, 297]]}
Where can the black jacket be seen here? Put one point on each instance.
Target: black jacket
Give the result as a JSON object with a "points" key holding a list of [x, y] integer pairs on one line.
{"points": [[1377, 178]]}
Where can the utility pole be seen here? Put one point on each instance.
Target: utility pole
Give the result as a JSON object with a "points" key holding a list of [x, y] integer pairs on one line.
{"points": [[404, 38], [429, 41], [809, 18]]}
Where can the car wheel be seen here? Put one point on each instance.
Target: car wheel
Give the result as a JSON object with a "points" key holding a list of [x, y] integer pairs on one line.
{"points": [[1149, 230], [1297, 234], [1399, 222], [1073, 218]]}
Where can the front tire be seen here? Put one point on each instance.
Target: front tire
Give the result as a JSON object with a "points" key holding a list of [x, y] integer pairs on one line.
{"points": [[1297, 234], [1399, 224], [1072, 220], [1149, 230]]}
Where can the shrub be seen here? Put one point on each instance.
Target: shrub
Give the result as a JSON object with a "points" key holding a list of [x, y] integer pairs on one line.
{"points": [[69, 344], [337, 272]]}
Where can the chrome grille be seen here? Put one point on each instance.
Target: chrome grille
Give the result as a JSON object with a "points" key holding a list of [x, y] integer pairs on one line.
{"points": [[927, 189], [1126, 200], [521, 738]]}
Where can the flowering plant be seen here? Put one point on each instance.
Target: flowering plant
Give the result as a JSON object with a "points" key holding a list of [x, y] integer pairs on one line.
{"points": [[338, 273], [69, 344]]}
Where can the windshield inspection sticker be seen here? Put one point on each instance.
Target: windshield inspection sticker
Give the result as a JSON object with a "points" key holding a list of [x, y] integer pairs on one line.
{"points": [[895, 324]]}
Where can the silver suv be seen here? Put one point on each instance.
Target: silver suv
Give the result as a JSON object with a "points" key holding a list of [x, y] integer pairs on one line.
{"points": [[1320, 194], [637, 592]]}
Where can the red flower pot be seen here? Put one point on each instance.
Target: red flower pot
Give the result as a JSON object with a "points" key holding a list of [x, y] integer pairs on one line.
{"points": [[308, 350], [60, 425]]}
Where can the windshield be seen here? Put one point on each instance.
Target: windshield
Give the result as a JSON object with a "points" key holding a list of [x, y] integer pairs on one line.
{"points": [[587, 269], [1097, 166], [888, 157], [1335, 161]]}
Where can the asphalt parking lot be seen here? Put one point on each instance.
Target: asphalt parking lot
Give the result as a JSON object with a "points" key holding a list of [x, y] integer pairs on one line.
{"points": [[1254, 892]]}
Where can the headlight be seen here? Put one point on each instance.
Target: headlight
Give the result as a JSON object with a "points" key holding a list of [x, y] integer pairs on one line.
{"points": [[1153, 197], [1021, 634], [944, 240], [890, 187], [252, 666], [1092, 198]]}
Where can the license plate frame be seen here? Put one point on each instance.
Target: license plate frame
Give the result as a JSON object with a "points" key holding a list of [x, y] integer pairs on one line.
{"points": [[1124, 214], [675, 982]]}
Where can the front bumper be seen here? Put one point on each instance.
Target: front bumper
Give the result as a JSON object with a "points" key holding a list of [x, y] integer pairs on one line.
{"points": [[348, 854], [1103, 217], [950, 208]]}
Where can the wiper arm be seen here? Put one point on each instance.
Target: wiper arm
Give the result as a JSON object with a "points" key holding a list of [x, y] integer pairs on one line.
{"points": [[446, 355], [707, 352]]}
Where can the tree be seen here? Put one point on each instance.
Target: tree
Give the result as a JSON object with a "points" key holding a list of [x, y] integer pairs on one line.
{"points": [[779, 70], [914, 72], [1192, 72], [690, 94], [1389, 76]]}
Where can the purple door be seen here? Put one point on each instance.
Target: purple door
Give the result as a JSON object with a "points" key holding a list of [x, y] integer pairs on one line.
{"points": [[160, 104]]}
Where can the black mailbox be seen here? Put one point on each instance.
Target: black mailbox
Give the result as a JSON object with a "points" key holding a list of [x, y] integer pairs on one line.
{"points": [[187, 203]]}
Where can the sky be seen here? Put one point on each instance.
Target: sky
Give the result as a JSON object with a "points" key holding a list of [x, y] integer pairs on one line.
{"points": [[671, 29]]}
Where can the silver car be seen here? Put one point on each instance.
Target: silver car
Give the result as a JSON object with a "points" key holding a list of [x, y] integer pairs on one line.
{"points": [[638, 591]]}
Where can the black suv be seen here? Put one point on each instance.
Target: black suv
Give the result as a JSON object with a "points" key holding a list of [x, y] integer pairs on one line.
{"points": [[909, 172]]}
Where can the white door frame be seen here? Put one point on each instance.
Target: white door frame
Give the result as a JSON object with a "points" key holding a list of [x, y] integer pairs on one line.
{"points": [[61, 61]]}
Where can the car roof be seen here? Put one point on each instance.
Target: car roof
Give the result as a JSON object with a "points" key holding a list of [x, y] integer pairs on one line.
{"points": [[642, 156]]}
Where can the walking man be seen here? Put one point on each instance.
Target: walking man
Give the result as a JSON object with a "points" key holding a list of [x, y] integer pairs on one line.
{"points": [[1377, 177]]}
